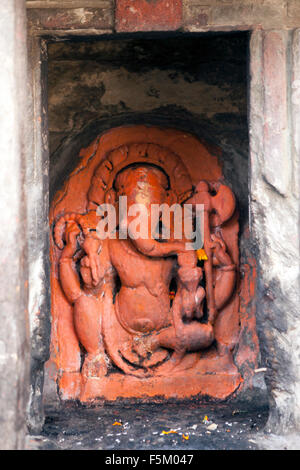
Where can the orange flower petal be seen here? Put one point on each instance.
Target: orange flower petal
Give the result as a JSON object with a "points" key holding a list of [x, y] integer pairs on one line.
{"points": [[202, 255]]}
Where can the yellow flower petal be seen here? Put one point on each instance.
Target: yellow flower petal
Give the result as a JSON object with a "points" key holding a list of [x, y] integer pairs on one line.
{"points": [[201, 254]]}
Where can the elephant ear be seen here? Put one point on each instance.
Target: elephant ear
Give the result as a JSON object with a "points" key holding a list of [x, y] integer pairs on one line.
{"points": [[224, 205]]}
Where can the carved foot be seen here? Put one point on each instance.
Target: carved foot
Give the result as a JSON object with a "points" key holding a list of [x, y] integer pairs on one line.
{"points": [[176, 359], [225, 353], [94, 365], [145, 345]]}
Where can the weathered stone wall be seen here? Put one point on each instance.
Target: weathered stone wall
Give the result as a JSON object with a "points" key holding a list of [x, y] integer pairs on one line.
{"points": [[98, 16], [275, 216], [14, 325], [274, 149], [37, 183]]}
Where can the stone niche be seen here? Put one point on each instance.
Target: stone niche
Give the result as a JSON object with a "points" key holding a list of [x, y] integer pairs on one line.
{"points": [[145, 320]]}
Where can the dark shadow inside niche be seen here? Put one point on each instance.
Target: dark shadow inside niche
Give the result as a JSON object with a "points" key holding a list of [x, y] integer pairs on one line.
{"points": [[193, 82]]}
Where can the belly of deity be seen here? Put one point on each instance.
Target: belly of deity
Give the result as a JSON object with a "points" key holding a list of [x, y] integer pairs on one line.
{"points": [[139, 311]]}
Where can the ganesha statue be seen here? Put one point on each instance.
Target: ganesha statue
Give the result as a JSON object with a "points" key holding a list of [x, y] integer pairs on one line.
{"points": [[138, 311]]}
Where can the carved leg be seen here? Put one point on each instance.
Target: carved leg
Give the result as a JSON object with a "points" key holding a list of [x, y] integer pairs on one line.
{"points": [[200, 296], [87, 321]]}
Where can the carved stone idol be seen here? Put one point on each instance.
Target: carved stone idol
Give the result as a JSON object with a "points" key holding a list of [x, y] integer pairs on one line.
{"points": [[144, 317]]}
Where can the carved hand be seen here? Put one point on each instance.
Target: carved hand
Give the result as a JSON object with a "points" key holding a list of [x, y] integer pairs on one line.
{"points": [[92, 246], [71, 234], [219, 249]]}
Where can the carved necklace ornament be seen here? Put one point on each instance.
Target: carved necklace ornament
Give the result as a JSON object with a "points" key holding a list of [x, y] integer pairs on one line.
{"points": [[113, 295]]}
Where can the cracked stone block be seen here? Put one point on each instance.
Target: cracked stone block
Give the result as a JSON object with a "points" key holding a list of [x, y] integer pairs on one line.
{"points": [[143, 15]]}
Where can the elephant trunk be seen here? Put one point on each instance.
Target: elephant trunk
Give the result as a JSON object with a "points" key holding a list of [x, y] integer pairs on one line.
{"points": [[151, 247]]}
